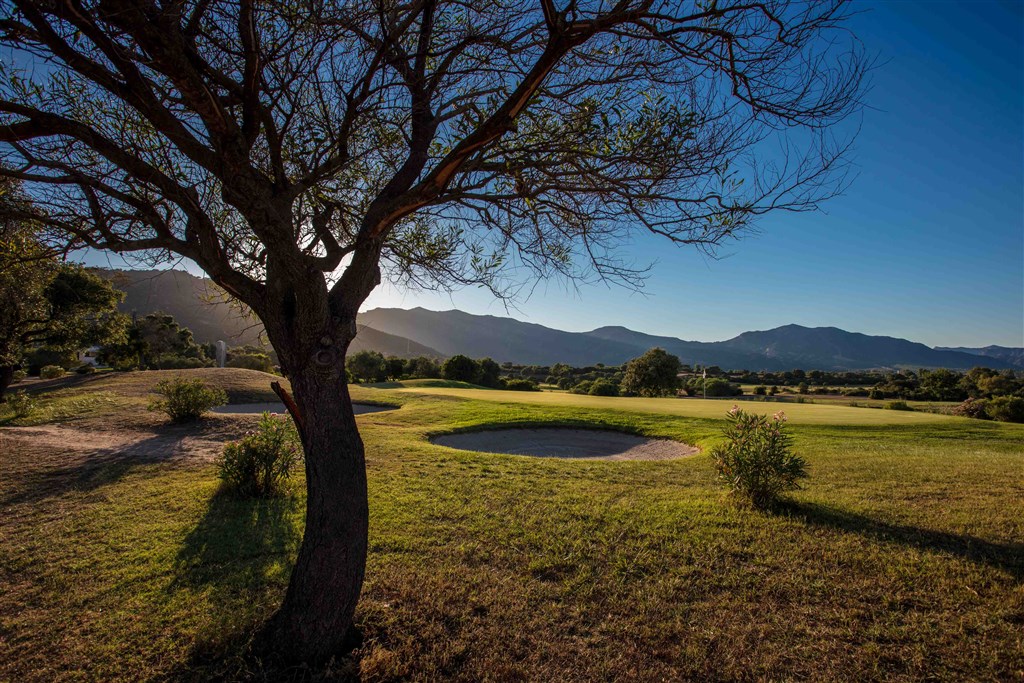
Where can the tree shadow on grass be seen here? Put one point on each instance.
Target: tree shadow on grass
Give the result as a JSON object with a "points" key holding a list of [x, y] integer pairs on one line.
{"points": [[1006, 557], [238, 541], [56, 472], [239, 556]]}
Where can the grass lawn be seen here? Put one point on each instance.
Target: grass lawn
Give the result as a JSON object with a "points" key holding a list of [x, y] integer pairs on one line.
{"points": [[901, 560], [711, 409]]}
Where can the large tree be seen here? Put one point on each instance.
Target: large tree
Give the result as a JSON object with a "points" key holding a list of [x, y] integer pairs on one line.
{"points": [[299, 151], [45, 302], [655, 373]]}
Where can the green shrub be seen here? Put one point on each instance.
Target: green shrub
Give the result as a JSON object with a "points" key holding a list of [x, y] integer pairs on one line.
{"points": [[521, 385], [582, 387], [251, 361], [973, 407], [186, 400], [756, 461], [1006, 408], [18, 376], [51, 372], [897, 405], [85, 369], [603, 387], [260, 463], [170, 361], [21, 404]]}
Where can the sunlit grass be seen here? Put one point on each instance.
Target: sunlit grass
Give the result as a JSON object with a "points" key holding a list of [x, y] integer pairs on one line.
{"points": [[900, 560]]}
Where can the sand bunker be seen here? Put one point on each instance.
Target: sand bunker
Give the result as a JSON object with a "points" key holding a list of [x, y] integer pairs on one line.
{"points": [[249, 408], [584, 444]]}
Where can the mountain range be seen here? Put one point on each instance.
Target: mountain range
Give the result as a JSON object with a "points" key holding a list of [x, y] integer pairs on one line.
{"points": [[782, 348], [199, 305]]}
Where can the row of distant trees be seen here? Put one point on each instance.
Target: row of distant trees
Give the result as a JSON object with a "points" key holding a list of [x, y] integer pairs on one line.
{"points": [[372, 366]]}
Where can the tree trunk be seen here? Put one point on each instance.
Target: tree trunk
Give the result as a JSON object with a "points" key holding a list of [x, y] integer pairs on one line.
{"points": [[320, 603], [6, 377]]}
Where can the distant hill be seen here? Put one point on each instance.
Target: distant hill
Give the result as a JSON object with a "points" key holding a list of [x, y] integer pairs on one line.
{"points": [[782, 348], [1012, 355], [503, 339], [201, 306], [369, 339], [196, 303]]}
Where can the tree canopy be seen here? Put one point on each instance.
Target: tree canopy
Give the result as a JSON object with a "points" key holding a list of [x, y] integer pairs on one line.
{"points": [[44, 302], [655, 373]]}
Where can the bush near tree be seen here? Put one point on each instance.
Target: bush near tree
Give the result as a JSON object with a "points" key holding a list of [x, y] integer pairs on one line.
{"points": [[603, 387], [51, 372], [260, 464], [520, 385], [186, 400]]}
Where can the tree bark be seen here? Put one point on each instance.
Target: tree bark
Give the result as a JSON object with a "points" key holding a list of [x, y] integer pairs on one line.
{"points": [[6, 378], [326, 581]]}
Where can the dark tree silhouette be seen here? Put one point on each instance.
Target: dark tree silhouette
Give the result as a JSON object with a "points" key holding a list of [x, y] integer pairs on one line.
{"points": [[301, 150]]}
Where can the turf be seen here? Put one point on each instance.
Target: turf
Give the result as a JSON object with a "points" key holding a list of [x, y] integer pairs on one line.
{"points": [[901, 560], [804, 413]]}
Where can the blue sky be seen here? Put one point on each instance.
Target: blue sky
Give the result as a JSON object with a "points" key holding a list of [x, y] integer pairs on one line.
{"points": [[927, 243]]}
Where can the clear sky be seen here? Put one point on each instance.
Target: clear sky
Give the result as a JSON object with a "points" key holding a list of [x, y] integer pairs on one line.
{"points": [[927, 243]]}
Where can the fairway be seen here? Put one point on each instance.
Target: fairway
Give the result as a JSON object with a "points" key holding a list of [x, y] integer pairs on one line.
{"points": [[798, 413], [900, 559]]}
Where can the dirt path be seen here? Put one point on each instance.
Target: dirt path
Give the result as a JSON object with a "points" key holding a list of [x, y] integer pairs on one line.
{"points": [[61, 440]]}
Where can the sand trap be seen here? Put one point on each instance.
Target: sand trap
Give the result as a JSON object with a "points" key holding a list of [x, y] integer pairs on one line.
{"points": [[584, 444], [249, 408]]}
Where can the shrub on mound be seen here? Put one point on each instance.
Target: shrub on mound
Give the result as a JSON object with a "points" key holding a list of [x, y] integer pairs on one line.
{"points": [[756, 461], [260, 463], [898, 405], [521, 385], [51, 372], [603, 387], [185, 400]]}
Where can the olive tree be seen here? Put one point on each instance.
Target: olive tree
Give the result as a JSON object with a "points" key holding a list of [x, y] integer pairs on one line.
{"points": [[299, 151]]}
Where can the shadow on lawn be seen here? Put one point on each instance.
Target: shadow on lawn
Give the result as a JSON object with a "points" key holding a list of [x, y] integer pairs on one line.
{"points": [[64, 471], [238, 541], [240, 556], [1008, 557]]}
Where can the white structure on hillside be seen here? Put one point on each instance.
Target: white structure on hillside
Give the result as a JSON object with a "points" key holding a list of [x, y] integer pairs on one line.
{"points": [[222, 353]]}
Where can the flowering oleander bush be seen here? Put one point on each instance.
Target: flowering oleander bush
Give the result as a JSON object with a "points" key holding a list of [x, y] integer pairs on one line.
{"points": [[260, 463], [756, 461]]}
